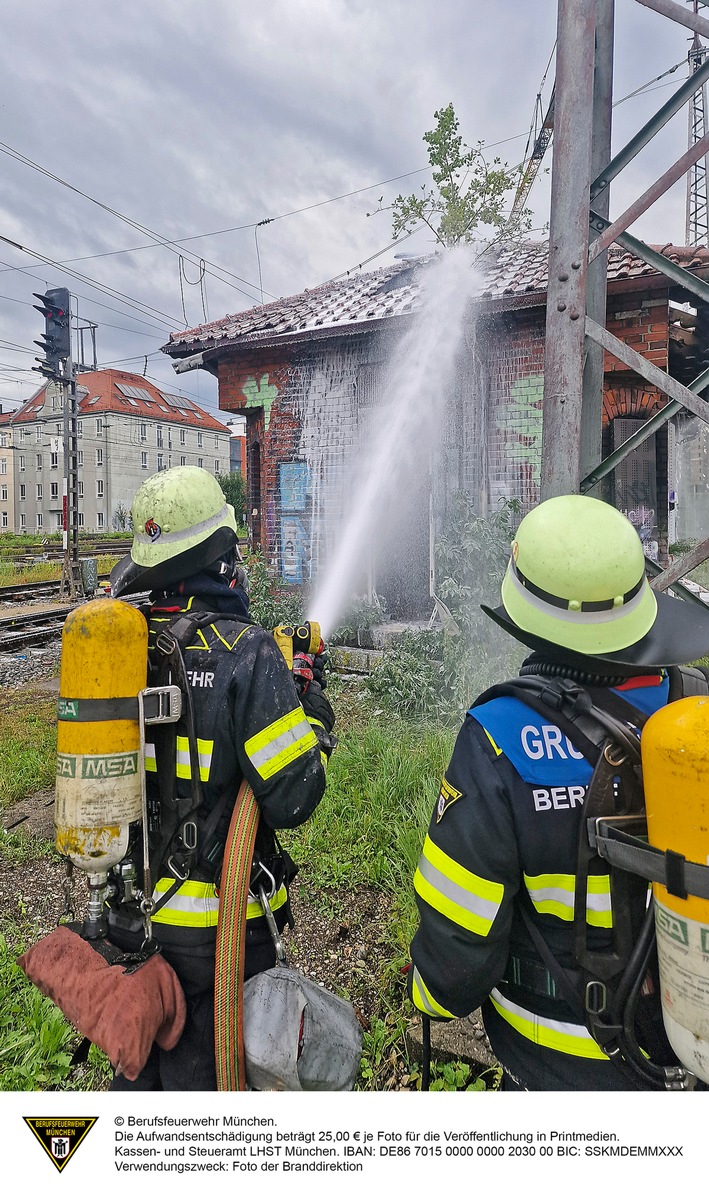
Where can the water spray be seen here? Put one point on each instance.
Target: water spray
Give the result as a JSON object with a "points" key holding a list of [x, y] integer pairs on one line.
{"points": [[415, 394]]}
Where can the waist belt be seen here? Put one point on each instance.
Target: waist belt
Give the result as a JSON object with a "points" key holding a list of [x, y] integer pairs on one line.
{"points": [[534, 977]]}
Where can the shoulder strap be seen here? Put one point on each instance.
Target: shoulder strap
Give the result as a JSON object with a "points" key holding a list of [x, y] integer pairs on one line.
{"points": [[688, 681], [571, 707]]}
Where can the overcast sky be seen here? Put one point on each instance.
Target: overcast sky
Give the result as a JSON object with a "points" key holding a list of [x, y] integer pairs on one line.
{"points": [[196, 119]]}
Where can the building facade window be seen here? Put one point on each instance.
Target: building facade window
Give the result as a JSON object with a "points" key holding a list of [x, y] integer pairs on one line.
{"points": [[160, 463], [54, 491], [216, 466], [143, 431], [22, 462], [80, 520], [200, 440], [200, 462], [54, 460], [23, 521], [80, 489], [99, 520], [99, 457], [3, 466], [80, 458], [23, 491], [158, 437], [39, 462], [99, 427], [182, 437], [39, 491], [183, 460], [99, 487], [4, 520], [40, 520], [79, 428], [38, 433], [144, 460], [3, 492]]}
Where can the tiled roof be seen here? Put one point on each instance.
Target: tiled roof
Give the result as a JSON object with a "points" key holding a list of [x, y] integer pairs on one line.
{"points": [[513, 271], [132, 395]]}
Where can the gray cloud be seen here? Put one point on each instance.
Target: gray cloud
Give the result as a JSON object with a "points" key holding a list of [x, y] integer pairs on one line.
{"points": [[195, 117]]}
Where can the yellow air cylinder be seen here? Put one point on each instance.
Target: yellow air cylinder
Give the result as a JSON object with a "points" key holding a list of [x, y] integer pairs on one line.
{"points": [[98, 787], [675, 758]]}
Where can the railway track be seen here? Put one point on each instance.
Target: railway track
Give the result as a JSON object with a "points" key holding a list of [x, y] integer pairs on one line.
{"points": [[25, 593], [32, 628], [37, 627]]}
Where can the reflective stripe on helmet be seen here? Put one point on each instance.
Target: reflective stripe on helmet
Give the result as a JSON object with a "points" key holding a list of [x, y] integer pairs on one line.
{"points": [[563, 1036], [585, 605], [180, 535], [464, 898]]}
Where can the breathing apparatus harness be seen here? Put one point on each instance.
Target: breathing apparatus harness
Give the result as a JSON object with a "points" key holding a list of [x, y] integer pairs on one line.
{"points": [[607, 984], [171, 847]]}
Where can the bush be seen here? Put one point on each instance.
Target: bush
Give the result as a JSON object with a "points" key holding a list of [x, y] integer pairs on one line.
{"points": [[438, 674], [272, 602]]}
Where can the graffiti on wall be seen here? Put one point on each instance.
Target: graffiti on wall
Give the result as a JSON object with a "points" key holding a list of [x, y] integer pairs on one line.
{"points": [[260, 394], [521, 424], [294, 524]]}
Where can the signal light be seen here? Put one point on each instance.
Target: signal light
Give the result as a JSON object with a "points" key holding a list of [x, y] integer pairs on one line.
{"points": [[56, 341]]}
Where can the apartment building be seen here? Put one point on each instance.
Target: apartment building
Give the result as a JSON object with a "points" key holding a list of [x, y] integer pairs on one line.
{"points": [[127, 430], [7, 490]]}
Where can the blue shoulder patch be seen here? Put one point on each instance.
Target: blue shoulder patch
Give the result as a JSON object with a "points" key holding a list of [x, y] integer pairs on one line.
{"points": [[537, 749]]}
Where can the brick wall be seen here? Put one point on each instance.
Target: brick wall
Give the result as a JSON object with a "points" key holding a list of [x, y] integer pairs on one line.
{"points": [[309, 407]]}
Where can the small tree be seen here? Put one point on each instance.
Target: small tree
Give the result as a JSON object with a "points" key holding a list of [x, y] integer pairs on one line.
{"points": [[469, 192], [122, 519], [234, 488]]}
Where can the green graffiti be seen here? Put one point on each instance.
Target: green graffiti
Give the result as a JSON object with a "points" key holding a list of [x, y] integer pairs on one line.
{"points": [[522, 420], [260, 395]]}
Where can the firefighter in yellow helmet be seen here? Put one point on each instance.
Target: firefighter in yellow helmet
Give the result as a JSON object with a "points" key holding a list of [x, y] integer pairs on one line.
{"points": [[251, 721], [510, 913]]}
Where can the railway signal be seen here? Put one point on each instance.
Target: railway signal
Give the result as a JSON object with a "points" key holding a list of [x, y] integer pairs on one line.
{"points": [[56, 340]]}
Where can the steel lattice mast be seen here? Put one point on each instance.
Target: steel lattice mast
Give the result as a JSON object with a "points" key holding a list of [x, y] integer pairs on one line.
{"points": [[697, 222]]}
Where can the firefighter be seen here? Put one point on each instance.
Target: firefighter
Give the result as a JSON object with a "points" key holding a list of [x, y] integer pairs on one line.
{"points": [[249, 723], [495, 884]]}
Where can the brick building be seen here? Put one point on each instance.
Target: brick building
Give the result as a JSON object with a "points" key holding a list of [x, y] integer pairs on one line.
{"points": [[127, 430], [306, 373]]}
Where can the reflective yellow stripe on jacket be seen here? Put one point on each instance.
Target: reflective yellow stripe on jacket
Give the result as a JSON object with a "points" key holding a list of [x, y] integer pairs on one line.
{"points": [[195, 904], [423, 999], [183, 770], [280, 743], [564, 1036], [205, 749], [464, 898], [554, 894]]}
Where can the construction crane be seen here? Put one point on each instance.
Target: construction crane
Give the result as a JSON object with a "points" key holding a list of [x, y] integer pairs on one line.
{"points": [[542, 138]]}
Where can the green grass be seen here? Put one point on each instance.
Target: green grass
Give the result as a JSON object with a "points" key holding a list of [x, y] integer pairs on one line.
{"points": [[28, 744], [36, 1043], [368, 830]]}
